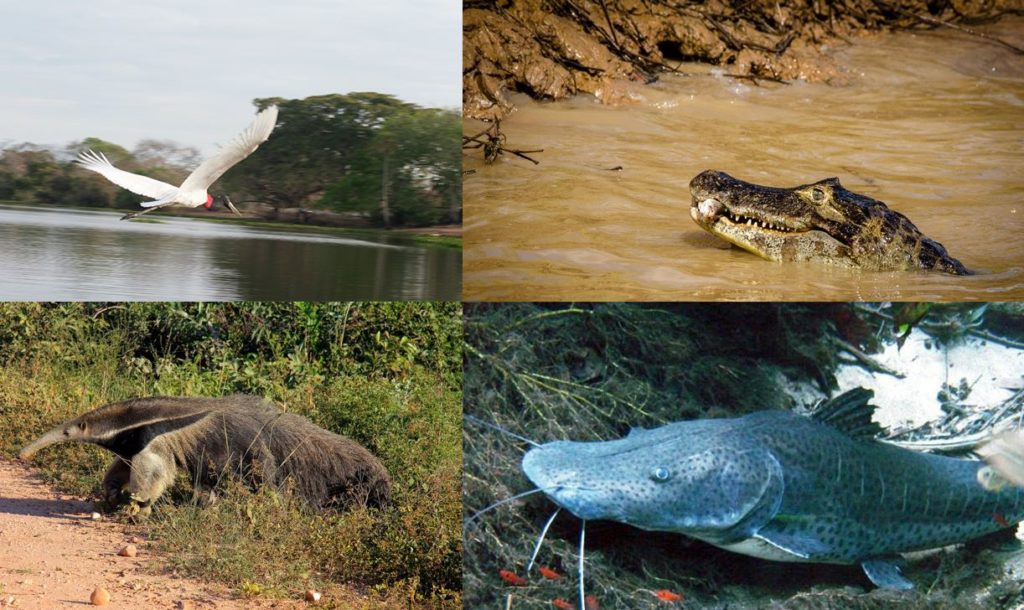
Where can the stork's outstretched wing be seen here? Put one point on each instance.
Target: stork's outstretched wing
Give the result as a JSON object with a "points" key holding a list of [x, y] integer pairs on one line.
{"points": [[237, 149], [141, 185]]}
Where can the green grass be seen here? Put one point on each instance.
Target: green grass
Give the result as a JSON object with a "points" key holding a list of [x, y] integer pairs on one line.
{"points": [[385, 374], [446, 241]]}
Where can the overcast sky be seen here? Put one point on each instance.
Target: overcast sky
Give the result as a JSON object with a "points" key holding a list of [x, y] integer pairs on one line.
{"points": [[188, 71]]}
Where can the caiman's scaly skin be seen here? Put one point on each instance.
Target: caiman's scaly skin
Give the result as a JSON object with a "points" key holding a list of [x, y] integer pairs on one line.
{"points": [[779, 486], [820, 222]]}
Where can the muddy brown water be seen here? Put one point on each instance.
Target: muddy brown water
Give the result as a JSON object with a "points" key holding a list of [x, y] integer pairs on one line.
{"points": [[932, 124]]}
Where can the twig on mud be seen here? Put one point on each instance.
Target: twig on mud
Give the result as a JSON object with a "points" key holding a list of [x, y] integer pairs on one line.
{"points": [[643, 64], [935, 21], [493, 143], [724, 33], [754, 78], [785, 42], [737, 44], [608, 20], [972, 32]]}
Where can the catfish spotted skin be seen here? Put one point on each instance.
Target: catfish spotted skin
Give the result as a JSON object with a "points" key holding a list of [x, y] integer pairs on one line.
{"points": [[779, 486], [819, 222]]}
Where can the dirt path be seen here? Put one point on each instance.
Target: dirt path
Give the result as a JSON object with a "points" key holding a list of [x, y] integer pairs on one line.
{"points": [[53, 554]]}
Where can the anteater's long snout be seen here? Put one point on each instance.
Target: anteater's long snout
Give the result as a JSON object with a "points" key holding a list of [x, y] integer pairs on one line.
{"points": [[49, 438]]}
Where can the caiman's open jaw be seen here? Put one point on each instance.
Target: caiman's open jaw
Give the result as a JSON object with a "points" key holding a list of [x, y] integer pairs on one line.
{"points": [[712, 214], [775, 239], [820, 222]]}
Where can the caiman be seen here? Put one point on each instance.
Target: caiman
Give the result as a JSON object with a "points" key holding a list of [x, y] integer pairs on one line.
{"points": [[780, 486], [820, 222]]}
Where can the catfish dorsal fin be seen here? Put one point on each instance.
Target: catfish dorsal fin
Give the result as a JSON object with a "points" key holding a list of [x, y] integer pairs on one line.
{"points": [[850, 413]]}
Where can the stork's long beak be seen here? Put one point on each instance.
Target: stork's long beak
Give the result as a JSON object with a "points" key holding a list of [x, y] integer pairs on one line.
{"points": [[231, 206]]}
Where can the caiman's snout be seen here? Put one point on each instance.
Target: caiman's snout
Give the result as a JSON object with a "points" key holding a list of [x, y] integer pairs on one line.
{"points": [[710, 183], [706, 191], [706, 210]]}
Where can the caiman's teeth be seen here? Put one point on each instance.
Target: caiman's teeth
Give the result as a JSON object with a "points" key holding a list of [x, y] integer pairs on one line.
{"points": [[754, 222]]}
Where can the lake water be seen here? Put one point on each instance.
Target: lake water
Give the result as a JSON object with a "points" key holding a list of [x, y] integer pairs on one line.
{"points": [[932, 124], [53, 254]]}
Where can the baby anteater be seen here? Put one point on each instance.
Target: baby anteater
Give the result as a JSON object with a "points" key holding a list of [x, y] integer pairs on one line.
{"points": [[238, 435]]}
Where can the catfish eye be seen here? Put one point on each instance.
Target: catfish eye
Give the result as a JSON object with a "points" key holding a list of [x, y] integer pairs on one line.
{"points": [[817, 194], [661, 474]]}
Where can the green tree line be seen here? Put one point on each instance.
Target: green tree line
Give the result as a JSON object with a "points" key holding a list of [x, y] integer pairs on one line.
{"points": [[370, 154]]}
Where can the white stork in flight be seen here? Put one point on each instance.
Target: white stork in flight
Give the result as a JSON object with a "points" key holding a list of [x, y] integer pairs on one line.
{"points": [[192, 192]]}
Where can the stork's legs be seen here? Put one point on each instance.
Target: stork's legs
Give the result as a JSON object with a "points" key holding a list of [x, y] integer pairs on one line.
{"points": [[131, 215]]}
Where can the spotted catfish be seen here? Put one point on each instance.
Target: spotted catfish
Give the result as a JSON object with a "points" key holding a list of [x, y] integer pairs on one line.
{"points": [[780, 486], [820, 222]]}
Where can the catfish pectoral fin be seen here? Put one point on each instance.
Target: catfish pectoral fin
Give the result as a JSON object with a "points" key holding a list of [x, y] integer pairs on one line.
{"points": [[886, 574], [799, 544]]}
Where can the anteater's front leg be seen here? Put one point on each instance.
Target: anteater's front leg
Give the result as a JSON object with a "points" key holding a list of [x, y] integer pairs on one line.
{"points": [[151, 474], [117, 478]]}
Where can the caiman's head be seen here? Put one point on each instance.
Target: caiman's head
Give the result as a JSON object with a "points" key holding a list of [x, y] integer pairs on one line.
{"points": [[820, 222], [674, 478]]}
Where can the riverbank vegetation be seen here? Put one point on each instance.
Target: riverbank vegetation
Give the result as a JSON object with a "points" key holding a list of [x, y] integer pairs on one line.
{"points": [[366, 159], [385, 374]]}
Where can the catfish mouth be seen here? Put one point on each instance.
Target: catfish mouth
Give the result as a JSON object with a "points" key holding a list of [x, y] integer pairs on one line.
{"points": [[553, 472]]}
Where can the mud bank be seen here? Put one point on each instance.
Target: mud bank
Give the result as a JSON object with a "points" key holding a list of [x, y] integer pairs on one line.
{"points": [[553, 49]]}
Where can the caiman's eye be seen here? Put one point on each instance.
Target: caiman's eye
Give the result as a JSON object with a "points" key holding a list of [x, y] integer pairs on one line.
{"points": [[661, 474], [817, 194]]}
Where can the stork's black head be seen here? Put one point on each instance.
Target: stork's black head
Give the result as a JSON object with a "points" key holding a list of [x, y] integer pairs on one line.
{"points": [[221, 200]]}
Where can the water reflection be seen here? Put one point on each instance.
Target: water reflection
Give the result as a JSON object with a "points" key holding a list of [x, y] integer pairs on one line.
{"points": [[55, 254]]}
